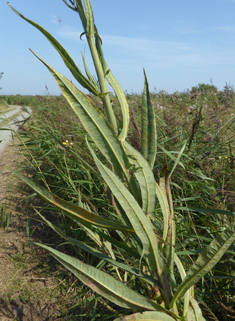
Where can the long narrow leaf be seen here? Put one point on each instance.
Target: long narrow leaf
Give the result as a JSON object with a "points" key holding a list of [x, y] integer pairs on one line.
{"points": [[109, 260], [146, 180], [196, 310], [148, 127], [169, 153], [150, 316], [97, 253], [73, 211], [89, 75], [117, 89], [76, 72], [161, 196], [104, 284], [205, 210], [89, 19], [139, 221], [169, 248], [206, 261], [182, 275], [94, 122], [178, 158]]}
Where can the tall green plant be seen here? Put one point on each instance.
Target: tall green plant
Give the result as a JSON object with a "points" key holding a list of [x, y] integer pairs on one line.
{"points": [[149, 250]]}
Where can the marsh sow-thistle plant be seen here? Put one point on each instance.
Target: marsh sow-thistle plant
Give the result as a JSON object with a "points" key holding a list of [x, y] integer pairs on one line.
{"points": [[149, 250]]}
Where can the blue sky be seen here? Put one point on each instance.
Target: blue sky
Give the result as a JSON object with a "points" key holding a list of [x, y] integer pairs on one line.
{"points": [[179, 43]]}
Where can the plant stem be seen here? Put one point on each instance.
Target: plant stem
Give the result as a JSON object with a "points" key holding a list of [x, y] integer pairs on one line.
{"points": [[102, 83]]}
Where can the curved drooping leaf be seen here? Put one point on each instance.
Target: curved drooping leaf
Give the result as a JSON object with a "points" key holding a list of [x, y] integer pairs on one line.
{"points": [[94, 122], [136, 216], [117, 89], [146, 180], [150, 316], [148, 127], [109, 260], [73, 211], [76, 72], [104, 284], [206, 261], [100, 255]]}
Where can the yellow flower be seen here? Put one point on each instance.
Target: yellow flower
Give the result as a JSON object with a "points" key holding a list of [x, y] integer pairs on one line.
{"points": [[66, 142], [71, 144]]}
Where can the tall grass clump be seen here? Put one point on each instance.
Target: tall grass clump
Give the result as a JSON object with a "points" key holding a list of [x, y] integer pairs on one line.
{"points": [[139, 236]]}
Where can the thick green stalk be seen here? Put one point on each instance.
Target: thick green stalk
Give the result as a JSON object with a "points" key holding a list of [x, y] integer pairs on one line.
{"points": [[86, 16], [102, 82]]}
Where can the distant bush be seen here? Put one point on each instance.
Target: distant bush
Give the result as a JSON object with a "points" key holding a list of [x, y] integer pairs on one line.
{"points": [[204, 88]]}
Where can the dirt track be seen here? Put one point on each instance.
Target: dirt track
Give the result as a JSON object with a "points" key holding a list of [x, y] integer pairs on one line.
{"points": [[24, 295]]}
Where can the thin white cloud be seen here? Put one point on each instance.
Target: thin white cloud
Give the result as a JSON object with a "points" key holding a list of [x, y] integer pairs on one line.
{"points": [[224, 28], [69, 33], [130, 53]]}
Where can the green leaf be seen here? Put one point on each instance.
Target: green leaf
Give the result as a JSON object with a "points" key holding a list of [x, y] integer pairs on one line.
{"points": [[140, 223], [109, 260], [81, 12], [89, 19], [194, 312], [104, 284], [146, 180], [169, 154], [90, 77], [150, 316], [182, 275], [94, 122], [117, 89], [64, 55], [205, 210], [120, 245], [169, 247], [161, 196], [206, 261], [97, 253], [190, 252], [178, 158], [148, 127], [73, 211]]}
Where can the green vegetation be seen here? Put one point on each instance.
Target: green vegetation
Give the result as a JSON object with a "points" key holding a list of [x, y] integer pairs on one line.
{"points": [[157, 247], [3, 104], [203, 181]]}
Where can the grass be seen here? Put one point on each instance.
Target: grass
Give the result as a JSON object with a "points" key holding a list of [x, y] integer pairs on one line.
{"points": [[3, 104], [204, 119]]}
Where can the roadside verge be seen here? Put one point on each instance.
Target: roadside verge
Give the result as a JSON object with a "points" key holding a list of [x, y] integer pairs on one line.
{"points": [[11, 120]]}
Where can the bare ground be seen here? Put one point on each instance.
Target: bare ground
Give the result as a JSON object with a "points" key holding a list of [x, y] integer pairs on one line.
{"points": [[25, 294]]}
